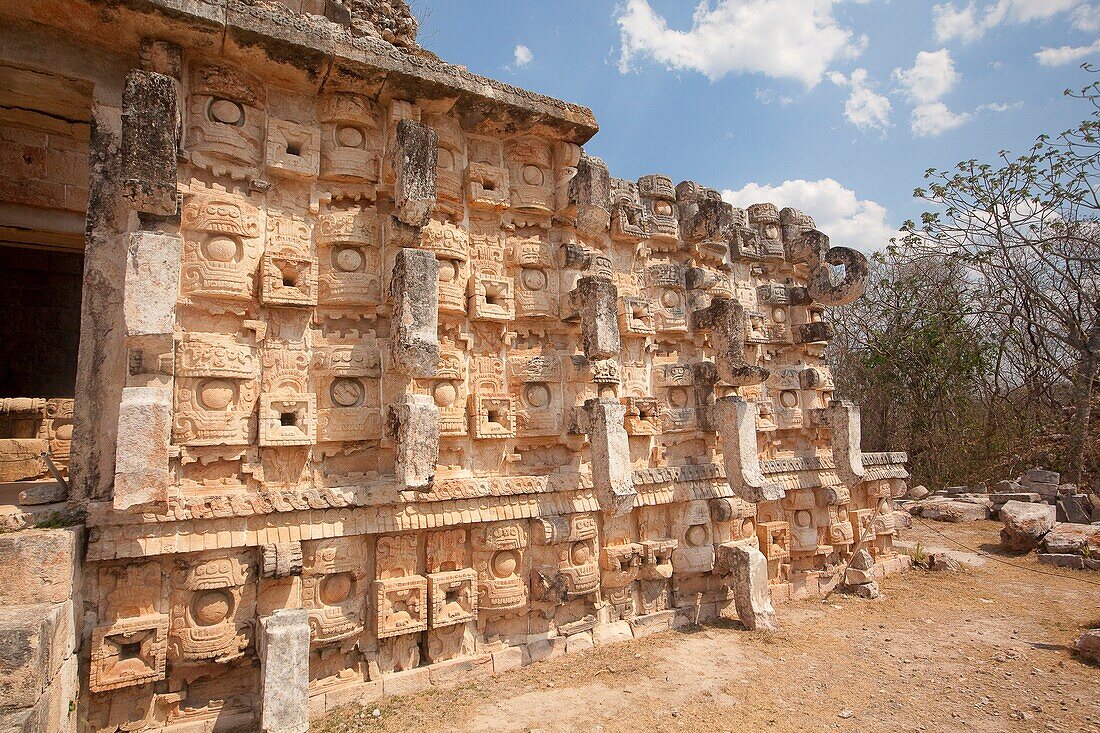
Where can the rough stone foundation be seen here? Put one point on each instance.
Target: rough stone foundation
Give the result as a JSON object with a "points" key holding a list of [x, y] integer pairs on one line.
{"points": [[384, 382]]}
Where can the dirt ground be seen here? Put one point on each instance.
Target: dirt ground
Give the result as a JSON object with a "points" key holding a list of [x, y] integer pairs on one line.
{"points": [[987, 649]]}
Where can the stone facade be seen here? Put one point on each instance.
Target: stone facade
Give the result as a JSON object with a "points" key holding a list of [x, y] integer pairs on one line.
{"points": [[391, 383]]}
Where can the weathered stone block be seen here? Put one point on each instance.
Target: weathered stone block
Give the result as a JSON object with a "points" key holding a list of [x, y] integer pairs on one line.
{"points": [[612, 633], [407, 683], [1071, 508], [1077, 539], [595, 301], [39, 566], [610, 448], [141, 462], [724, 319], [150, 139], [152, 283], [21, 458], [414, 344], [735, 419], [46, 492], [1088, 645], [454, 671], [414, 165], [748, 569], [652, 623], [590, 193], [1025, 524], [34, 643], [513, 657], [955, 511], [575, 643], [537, 651], [414, 425], [284, 672]]}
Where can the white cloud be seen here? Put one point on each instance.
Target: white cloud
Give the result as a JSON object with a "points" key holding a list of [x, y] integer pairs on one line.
{"points": [[1086, 18], [998, 107], [933, 118], [931, 76], [837, 211], [522, 56], [768, 96], [970, 22], [795, 39], [1067, 54], [865, 108]]}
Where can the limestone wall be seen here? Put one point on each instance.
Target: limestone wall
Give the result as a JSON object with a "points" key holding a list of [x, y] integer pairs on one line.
{"points": [[402, 359], [40, 621]]}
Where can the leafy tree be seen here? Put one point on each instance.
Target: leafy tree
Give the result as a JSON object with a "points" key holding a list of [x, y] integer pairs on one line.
{"points": [[1026, 234]]}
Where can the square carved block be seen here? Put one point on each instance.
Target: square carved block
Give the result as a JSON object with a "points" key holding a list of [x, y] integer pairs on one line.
{"points": [[487, 187], [643, 416], [288, 419], [494, 417], [453, 595], [289, 280], [128, 652], [293, 150], [493, 299], [775, 539], [401, 606]]}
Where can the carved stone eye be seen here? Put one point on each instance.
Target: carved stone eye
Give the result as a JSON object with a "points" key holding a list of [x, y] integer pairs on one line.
{"points": [[533, 175], [537, 395], [779, 315], [220, 248], [348, 259], [505, 563], [444, 394], [534, 279], [211, 607], [662, 208], [447, 271], [347, 392], [803, 518], [216, 394], [771, 231], [349, 137], [226, 112], [580, 553], [788, 398], [335, 589], [678, 396], [696, 535], [670, 299]]}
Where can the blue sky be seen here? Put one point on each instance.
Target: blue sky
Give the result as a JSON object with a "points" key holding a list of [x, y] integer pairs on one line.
{"points": [[833, 106]]}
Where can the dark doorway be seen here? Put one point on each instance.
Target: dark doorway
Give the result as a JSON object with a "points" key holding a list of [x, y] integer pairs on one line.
{"points": [[39, 321]]}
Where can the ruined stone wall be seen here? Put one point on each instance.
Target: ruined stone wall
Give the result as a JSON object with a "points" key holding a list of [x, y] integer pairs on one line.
{"points": [[415, 389]]}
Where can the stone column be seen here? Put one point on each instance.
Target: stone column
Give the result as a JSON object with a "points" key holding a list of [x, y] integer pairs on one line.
{"points": [[748, 569], [150, 139], [414, 340], [735, 419], [610, 448], [415, 152], [284, 672], [725, 320], [595, 301], [413, 424], [842, 419]]}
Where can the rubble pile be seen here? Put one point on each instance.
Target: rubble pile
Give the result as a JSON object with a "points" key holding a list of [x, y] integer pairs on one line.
{"points": [[1038, 511]]}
